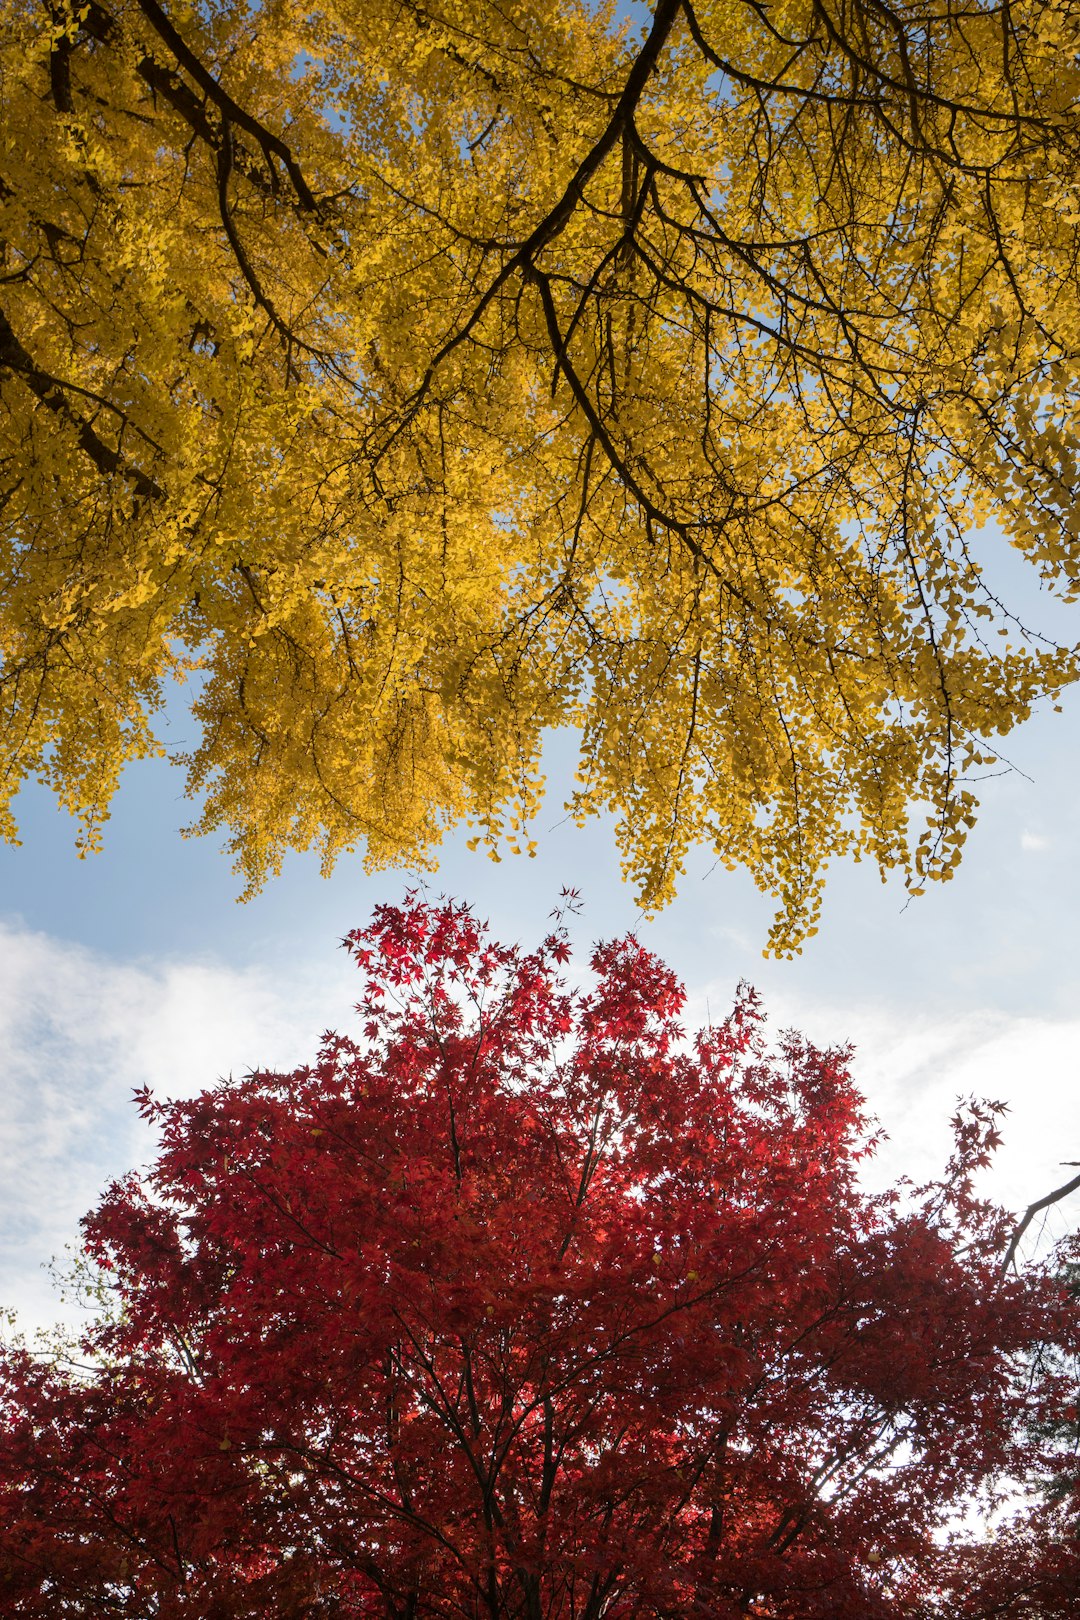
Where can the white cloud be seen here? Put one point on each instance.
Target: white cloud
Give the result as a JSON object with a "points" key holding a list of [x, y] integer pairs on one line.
{"points": [[1033, 842], [78, 1032], [912, 1068]]}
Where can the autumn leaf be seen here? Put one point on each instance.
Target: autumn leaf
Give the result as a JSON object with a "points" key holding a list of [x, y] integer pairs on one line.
{"points": [[491, 1318], [416, 379]]}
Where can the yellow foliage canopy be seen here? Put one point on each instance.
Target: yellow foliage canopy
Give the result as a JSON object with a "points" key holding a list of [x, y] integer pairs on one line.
{"points": [[429, 373]]}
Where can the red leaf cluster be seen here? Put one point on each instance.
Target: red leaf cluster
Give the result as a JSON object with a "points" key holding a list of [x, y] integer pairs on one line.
{"points": [[524, 1306]]}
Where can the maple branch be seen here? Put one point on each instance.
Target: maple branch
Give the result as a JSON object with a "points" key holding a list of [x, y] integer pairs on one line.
{"points": [[588, 1165], [446, 1414], [315, 1460]]}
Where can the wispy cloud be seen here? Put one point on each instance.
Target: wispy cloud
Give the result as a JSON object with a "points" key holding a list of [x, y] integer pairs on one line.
{"points": [[78, 1032], [912, 1068], [1033, 842]]}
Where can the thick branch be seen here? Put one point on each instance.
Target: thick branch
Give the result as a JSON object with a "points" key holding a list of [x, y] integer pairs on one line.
{"points": [[49, 391], [553, 222], [228, 108]]}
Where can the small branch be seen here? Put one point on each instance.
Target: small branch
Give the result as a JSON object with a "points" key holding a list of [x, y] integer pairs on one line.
{"points": [[1032, 1210]]}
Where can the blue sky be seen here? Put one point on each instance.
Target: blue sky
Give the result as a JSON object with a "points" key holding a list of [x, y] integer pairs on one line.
{"points": [[139, 966]]}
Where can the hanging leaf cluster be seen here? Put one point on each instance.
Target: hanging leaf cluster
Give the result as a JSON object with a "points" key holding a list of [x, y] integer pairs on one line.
{"points": [[419, 376]]}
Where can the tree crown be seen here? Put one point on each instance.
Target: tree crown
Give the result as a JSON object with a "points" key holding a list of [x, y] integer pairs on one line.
{"points": [[427, 376], [523, 1305]]}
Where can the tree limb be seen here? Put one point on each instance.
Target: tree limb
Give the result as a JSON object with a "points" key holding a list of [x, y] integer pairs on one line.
{"points": [[1032, 1210]]}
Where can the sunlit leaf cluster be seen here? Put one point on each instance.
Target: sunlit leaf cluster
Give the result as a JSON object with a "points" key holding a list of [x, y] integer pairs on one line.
{"points": [[421, 377]]}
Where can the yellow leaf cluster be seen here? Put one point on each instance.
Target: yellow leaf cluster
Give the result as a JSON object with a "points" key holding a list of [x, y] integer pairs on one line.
{"points": [[427, 374]]}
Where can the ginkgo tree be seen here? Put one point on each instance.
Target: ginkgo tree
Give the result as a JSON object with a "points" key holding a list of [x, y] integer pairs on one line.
{"points": [[520, 1305], [418, 376]]}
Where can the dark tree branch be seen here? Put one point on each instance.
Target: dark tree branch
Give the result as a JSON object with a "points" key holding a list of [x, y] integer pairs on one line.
{"points": [[667, 11], [50, 392], [229, 109], [1029, 1215]]}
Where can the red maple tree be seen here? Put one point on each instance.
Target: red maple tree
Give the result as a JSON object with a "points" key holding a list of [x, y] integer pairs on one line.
{"points": [[522, 1305]]}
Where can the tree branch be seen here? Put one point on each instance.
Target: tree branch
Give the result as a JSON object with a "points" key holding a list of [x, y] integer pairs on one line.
{"points": [[50, 392], [1029, 1215], [229, 109]]}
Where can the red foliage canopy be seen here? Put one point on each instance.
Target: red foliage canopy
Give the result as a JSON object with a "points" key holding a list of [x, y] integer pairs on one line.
{"points": [[523, 1306]]}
